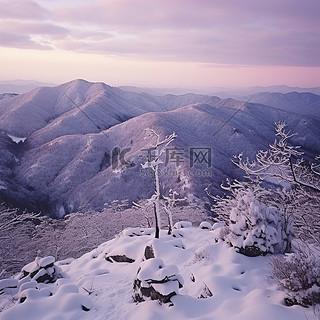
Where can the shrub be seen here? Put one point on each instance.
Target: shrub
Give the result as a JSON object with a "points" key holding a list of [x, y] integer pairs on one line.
{"points": [[254, 228], [298, 275]]}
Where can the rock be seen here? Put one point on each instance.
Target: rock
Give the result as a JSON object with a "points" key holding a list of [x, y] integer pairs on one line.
{"points": [[182, 225], [156, 281], [137, 232], [149, 252], [205, 225], [156, 247], [119, 258], [250, 251], [42, 270], [7, 285], [205, 292], [217, 225], [33, 293], [42, 276], [177, 234], [46, 262]]}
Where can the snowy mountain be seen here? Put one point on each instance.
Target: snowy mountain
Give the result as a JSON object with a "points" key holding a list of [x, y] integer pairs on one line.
{"points": [[304, 103], [248, 92], [70, 135]]}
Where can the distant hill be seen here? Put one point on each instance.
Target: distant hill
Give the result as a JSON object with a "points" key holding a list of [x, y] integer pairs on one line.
{"points": [[236, 93], [21, 86], [302, 103]]}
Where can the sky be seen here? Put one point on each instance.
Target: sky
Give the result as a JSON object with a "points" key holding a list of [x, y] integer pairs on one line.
{"points": [[162, 43]]}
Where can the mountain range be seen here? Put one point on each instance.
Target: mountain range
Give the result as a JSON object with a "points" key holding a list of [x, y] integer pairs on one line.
{"points": [[21, 86], [61, 145]]}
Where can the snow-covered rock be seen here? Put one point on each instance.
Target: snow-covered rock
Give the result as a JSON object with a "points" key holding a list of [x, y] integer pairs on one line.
{"points": [[205, 225], [182, 225], [156, 281], [42, 270], [6, 285]]}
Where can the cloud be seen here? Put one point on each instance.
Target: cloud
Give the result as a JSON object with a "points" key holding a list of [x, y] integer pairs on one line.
{"points": [[20, 41], [196, 14], [246, 32], [22, 10], [39, 28]]}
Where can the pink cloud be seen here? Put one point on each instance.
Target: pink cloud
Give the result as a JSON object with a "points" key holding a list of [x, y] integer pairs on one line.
{"points": [[22, 9], [247, 32], [20, 41], [33, 27]]}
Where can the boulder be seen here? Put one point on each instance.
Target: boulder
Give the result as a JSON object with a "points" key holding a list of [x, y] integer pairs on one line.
{"points": [[205, 225], [119, 258], [42, 270], [156, 281]]}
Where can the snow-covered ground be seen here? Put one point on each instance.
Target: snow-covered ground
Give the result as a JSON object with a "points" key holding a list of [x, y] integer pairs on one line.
{"points": [[232, 286], [78, 233]]}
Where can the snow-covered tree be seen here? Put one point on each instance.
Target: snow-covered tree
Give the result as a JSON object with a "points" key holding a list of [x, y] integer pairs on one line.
{"points": [[169, 202], [282, 190], [159, 148], [254, 228], [16, 228], [282, 164], [11, 217]]}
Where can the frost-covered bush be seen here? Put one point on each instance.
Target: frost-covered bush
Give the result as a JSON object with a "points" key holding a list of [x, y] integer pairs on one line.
{"points": [[298, 274], [254, 228], [284, 164]]}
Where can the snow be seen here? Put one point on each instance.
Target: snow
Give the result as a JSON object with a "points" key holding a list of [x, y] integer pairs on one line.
{"points": [[205, 225], [44, 262], [16, 139], [155, 269], [254, 225], [65, 303], [8, 283], [239, 285], [2, 185], [182, 224]]}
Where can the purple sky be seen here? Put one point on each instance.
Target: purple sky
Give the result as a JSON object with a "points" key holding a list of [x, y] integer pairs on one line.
{"points": [[194, 43]]}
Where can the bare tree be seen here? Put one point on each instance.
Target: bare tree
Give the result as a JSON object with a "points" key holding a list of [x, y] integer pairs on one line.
{"points": [[16, 228], [169, 202], [153, 164], [11, 217]]}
